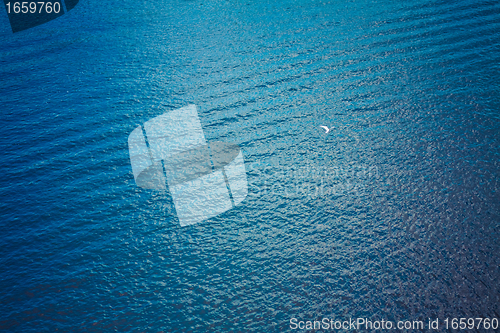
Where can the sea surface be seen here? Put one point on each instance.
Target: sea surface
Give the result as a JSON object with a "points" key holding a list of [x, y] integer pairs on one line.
{"points": [[394, 214]]}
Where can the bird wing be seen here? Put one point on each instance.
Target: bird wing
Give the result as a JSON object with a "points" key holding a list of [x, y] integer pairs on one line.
{"points": [[325, 128]]}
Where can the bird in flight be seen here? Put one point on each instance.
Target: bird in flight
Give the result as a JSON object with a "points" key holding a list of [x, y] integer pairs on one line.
{"points": [[326, 129]]}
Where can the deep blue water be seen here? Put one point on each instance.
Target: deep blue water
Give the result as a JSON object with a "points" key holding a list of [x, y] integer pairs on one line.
{"points": [[394, 214]]}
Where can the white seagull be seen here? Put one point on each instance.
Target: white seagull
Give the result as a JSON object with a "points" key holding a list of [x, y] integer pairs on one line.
{"points": [[326, 129]]}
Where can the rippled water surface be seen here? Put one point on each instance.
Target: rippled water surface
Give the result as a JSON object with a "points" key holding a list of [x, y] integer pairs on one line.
{"points": [[394, 214]]}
